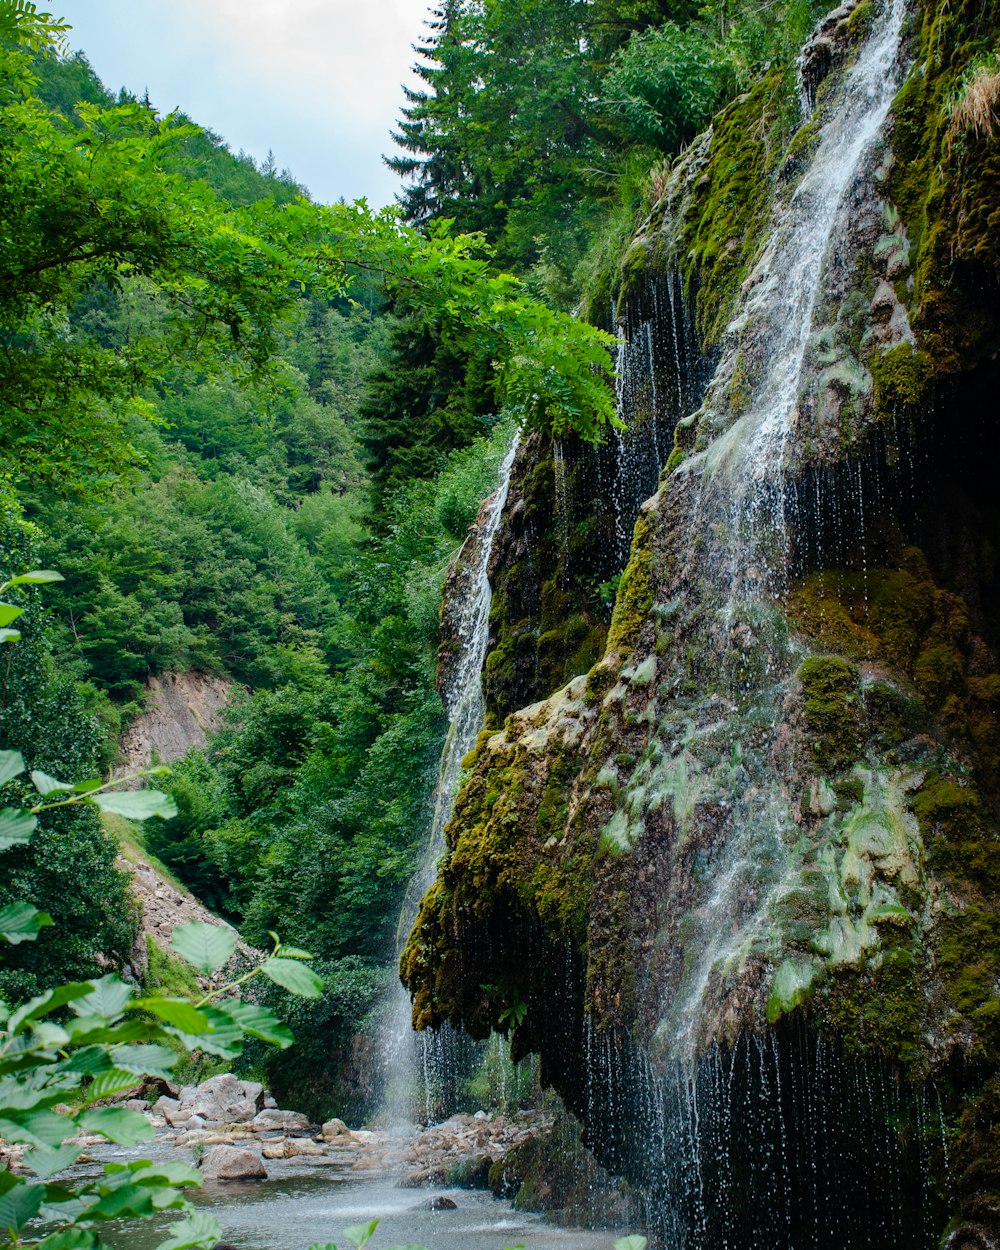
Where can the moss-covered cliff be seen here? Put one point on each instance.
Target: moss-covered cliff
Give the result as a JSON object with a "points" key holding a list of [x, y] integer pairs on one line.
{"points": [[738, 884]]}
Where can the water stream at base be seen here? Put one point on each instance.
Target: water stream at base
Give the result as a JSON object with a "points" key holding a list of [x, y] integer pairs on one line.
{"points": [[293, 1212], [412, 1064]]}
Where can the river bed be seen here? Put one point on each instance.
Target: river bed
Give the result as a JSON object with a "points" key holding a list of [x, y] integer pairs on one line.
{"points": [[297, 1209]]}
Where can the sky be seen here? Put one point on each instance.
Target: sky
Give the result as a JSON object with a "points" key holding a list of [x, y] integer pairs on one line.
{"points": [[316, 81]]}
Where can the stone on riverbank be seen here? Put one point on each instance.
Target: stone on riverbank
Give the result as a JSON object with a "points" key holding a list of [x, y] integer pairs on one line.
{"points": [[227, 1163]]}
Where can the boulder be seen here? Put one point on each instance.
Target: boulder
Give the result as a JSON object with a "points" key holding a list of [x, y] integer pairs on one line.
{"points": [[292, 1148], [228, 1163], [285, 1121], [224, 1099], [440, 1203], [334, 1128]]}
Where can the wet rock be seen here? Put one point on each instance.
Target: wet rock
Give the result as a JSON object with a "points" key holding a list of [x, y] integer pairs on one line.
{"points": [[471, 1173], [292, 1148], [285, 1121], [334, 1128], [440, 1203], [224, 1099], [227, 1163]]}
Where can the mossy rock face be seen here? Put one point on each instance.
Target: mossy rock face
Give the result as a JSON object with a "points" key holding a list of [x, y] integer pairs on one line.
{"points": [[946, 183], [851, 725], [553, 1171], [902, 379], [548, 621], [832, 706]]}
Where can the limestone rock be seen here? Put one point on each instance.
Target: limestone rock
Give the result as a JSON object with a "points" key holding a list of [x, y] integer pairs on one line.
{"points": [[224, 1099], [292, 1148], [334, 1128], [285, 1121], [228, 1163]]}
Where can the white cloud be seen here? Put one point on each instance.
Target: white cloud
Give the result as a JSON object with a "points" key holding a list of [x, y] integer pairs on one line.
{"points": [[316, 80]]}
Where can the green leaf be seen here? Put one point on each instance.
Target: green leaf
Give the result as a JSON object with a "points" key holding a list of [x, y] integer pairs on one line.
{"points": [[9, 613], [168, 1173], [113, 1081], [118, 1124], [47, 1160], [11, 766], [37, 577], [293, 976], [19, 1205], [16, 827], [45, 784], [205, 946], [35, 1008], [122, 1201], [197, 1232], [10, 635], [360, 1234], [108, 997], [152, 1060], [70, 1239], [633, 1242], [258, 1022], [136, 804], [20, 922], [224, 1038], [176, 1011], [37, 1127], [84, 787], [293, 952]]}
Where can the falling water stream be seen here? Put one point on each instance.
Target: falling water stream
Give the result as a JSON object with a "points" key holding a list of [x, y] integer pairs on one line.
{"points": [[413, 1063]]}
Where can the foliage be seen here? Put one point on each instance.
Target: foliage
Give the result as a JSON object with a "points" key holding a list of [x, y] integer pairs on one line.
{"points": [[50, 1059], [113, 266], [664, 85], [305, 815], [68, 868], [975, 105]]}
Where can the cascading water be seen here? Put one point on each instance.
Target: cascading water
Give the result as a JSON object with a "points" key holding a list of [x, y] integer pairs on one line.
{"points": [[737, 549], [747, 1136], [412, 1065], [699, 862], [744, 485], [659, 373]]}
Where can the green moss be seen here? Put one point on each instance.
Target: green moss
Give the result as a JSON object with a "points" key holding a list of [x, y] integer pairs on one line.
{"points": [[600, 679], [675, 459], [728, 217], [635, 593], [947, 193], [833, 709], [166, 974], [877, 1008], [902, 377]]}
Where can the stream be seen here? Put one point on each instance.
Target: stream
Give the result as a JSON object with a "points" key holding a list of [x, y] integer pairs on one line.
{"points": [[295, 1210]]}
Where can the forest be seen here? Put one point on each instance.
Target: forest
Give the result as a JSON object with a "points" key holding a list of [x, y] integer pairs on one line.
{"points": [[250, 432]]}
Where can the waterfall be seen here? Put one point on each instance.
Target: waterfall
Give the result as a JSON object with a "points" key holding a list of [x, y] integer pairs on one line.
{"points": [[744, 487], [412, 1063], [758, 1142], [659, 379]]}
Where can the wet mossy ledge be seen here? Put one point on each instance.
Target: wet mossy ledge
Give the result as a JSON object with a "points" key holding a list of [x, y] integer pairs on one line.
{"points": [[847, 731], [550, 573]]}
